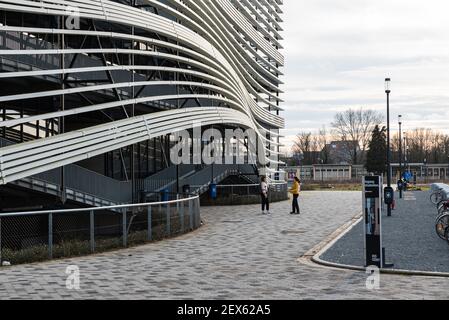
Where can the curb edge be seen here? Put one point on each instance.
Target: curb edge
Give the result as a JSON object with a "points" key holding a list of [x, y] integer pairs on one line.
{"points": [[314, 254]]}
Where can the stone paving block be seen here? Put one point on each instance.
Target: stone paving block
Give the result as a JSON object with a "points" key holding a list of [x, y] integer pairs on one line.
{"points": [[408, 236], [238, 254]]}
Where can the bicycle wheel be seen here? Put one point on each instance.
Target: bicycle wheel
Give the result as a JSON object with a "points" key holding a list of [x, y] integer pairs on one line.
{"points": [[442, 223], [434, 197], [446, 235]]}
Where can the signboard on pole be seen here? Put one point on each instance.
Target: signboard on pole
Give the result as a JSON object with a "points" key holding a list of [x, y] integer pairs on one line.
{"points": [[372, 208]]}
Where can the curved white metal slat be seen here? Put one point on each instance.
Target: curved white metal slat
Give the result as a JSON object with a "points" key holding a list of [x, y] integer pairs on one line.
{"points": [[170, 32], [258, 19], [191, 17], [235, 61], [217, 40], [236, 79], [233, 14], [18, 160]]}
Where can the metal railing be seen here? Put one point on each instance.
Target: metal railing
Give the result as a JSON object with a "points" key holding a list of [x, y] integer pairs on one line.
{"points": [[166, 179], [40, 235], [250, 189], [200, 181], [81, 184]]}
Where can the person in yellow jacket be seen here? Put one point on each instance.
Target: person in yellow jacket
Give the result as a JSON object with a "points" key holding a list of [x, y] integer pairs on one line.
{"points": [[295, 189]]}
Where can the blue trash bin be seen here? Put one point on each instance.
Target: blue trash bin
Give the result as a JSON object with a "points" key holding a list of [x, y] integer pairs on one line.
{"points": [[165, 195], [213, 191]]}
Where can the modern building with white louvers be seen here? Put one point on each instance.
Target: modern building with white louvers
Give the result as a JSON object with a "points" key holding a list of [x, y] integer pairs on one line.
{"points": [[92, 91]]}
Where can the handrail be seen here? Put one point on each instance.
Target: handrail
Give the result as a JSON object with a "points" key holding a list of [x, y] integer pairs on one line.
{"points": [[17, 214], [249, 185]]}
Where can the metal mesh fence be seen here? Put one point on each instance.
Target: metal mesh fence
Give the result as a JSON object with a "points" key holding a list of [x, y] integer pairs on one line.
{"points": [[45, 235], [70, 234], [245, 194], [24, 236]]}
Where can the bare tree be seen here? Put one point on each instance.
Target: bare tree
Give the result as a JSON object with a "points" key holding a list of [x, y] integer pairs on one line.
{"points": [[303, 145], [422, 143], [355, 128], [323, 141]]}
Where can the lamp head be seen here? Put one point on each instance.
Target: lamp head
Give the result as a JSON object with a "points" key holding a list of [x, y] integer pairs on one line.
{"points": [[387, 85]]}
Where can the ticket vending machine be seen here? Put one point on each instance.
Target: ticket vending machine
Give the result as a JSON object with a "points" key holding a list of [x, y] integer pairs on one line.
{"points": [[372, 207]]}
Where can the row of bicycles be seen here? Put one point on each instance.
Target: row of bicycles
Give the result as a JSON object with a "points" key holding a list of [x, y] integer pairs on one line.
{"points": [[439, 197]]}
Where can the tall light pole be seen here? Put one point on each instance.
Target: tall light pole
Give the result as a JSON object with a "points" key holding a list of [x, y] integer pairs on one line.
{"points": [[400, 152], [388, 91], [406, 153], [425, 169], [405, 144]]}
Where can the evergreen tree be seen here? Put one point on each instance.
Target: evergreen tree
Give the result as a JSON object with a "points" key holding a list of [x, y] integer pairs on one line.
{"points": [[376, 157]]}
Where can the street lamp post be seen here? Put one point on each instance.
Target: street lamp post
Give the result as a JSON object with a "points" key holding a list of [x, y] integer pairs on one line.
{"points": [[405, 146], [388, 91], [400, 152], [425, 170]]}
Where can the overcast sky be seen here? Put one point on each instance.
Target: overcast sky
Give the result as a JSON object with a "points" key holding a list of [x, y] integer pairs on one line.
{"points": [[338, 53]]}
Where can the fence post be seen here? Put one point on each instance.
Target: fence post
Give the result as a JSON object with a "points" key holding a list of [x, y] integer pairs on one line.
{"points": [[190, 214], [181, 215], [197, 213], [1, 261], [50, 235], [168, 219], [92, 231], [125, 235], [150, 231]]}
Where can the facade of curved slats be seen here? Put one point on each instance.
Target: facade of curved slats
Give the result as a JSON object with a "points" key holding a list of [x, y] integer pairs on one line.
{"points": [[102, 85]]}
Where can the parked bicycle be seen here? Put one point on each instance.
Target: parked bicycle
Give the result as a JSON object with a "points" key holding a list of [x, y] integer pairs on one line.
{"points": [[439, 197], [443, 205], [436, 196], [441, 225]]}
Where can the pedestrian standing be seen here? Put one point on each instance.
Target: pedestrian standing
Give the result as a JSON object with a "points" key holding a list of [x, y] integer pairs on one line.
{"points": [[295, 189], [264, 195]]}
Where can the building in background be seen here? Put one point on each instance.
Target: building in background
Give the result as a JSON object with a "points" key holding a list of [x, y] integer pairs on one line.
{"points": [[342, 152], [420, 172], [92, 91]]}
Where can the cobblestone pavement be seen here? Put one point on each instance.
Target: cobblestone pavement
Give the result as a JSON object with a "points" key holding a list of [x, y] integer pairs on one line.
{"points": [[409, 238], [238, 254]]}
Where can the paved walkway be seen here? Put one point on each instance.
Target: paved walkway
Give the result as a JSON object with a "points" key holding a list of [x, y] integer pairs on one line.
{"points": [[408, 235], [238, 254]]}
